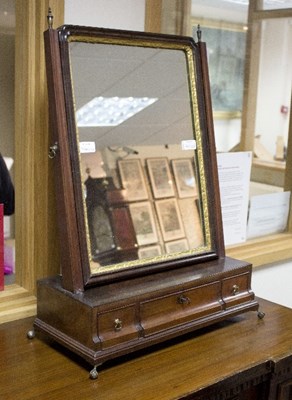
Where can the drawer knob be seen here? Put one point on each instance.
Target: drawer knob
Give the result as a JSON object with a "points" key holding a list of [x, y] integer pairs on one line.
{"points": [[118, 325], [53, 150], [235, 289], [183, 299]]}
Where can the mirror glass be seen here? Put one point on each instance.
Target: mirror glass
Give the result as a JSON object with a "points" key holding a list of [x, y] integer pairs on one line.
{"points": [[140, 150]]}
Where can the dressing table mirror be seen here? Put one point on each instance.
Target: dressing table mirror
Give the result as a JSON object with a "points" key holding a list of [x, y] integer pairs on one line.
{"points": [[141, 238]]}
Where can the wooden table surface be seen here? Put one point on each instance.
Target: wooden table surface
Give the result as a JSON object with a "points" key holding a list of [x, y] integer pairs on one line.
{"points": [[41, 369]]}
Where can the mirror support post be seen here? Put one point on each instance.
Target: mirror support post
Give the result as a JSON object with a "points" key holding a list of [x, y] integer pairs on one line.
{"points": [[72, 278], [217, 224]]}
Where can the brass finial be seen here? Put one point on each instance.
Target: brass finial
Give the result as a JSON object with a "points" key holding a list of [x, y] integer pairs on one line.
{"points": [[199, 33], [50, 18]]}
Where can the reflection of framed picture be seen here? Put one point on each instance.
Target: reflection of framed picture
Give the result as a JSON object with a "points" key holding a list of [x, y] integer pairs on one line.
{"points": [[149, 251], [160, 177], [170, 219], [177, 246], [144, 224], [133, 180], [184, 176], [192, 222]]}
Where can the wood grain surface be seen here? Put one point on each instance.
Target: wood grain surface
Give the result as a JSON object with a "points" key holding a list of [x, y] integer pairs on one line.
{"points": [[230, 351]]}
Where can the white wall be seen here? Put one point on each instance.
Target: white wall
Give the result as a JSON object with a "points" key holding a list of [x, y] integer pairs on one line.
{"points": [[227, 133], [212, 9], [116, 14], [273, 282]]}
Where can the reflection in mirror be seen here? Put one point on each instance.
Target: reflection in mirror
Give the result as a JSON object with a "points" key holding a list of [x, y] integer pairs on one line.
{"points": [[139, 140]]}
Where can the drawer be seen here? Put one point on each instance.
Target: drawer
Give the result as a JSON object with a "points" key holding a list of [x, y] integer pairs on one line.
{"points": [[117, 326], [236, 288], [179, 308]]}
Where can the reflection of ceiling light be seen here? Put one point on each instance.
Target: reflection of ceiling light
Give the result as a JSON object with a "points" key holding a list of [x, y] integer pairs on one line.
{"points": [[111, 111], [242, 2]]}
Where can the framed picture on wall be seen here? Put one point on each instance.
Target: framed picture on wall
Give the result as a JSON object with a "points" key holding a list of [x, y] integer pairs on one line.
{"points": [[133, 179], [192, 222], [160, 177], [226, 60], [144, 223], [184, 175], [169, 219]]}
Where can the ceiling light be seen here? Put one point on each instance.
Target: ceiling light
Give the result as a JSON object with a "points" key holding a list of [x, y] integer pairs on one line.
{"points": [[240, 2], [111, 111]]}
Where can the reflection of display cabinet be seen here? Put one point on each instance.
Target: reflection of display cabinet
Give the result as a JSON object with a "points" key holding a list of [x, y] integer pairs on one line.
{"points": [[111, 232]]}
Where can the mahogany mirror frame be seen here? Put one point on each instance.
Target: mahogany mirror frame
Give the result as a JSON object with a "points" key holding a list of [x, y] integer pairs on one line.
{"points": [[75, 271]]}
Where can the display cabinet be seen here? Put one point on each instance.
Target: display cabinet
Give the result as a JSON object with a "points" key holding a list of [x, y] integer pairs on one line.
{"points": [[142, 249]]}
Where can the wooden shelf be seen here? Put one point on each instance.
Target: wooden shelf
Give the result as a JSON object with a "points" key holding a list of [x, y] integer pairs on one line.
{"points": [[263, 250], [16, 303], [268, 172]]}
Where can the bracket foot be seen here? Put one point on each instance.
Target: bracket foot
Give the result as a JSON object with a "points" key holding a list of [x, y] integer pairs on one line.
{"points": [[93, 374], [30, 334], [261, 314]]}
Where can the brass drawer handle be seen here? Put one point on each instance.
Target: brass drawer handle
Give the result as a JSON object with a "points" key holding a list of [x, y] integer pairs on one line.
{"points": [[183, 299], [53, 150], [235, 289], [118, 325]]}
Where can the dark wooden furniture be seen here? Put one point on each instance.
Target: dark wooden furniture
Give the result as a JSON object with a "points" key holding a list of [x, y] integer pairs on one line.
{"points": [[242, 357], [115, 319], [103, 311]]}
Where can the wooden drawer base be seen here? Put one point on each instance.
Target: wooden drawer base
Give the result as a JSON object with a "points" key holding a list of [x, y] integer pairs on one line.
{"points": [[106, 322]]}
